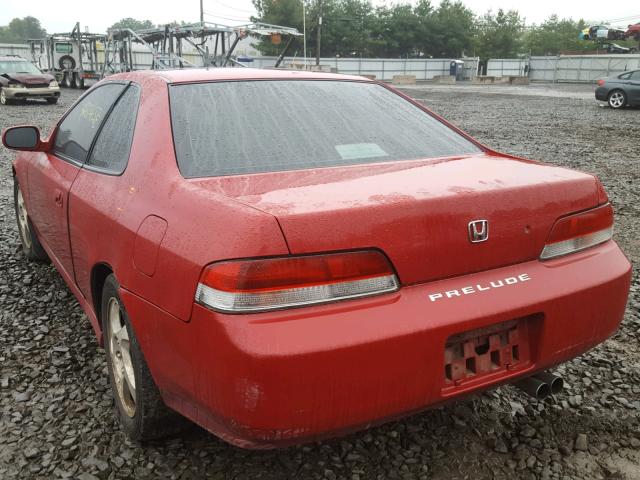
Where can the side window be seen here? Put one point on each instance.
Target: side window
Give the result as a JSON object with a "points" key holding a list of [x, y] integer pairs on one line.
{"points": [[111, 151], [635, 75], [78, 129], [625, 76]]}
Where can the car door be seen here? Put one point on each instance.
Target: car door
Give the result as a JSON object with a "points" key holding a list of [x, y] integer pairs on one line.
{"points": [[99, 196], [51, 175], [633, 89]]}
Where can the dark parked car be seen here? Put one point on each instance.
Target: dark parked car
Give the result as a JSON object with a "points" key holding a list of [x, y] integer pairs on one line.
{"points": [[620, 90]]}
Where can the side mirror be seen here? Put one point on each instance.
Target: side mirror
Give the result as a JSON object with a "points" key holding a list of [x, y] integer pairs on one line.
{"points": [[23, 138]]}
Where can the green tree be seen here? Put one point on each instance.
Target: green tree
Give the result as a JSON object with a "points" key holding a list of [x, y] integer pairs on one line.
{"points": [[397, 31], [21, 29], [448, 30], [452, 28], [555, 35], [132, 23], [355, 28], [345, 27], [424, 31], [499, 35], [279, 12]]}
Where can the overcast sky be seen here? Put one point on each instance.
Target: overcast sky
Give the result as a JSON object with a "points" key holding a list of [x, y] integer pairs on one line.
{"points": [[59, 16]]}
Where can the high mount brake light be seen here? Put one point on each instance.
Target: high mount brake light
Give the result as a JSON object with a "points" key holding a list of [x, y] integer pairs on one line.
{"points": [[579, 231], [274, 283]]}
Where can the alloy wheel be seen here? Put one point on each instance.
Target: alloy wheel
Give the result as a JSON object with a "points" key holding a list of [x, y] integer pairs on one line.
{"points": [[120, 353], [3, 97], [23, 221], [617, 100]]}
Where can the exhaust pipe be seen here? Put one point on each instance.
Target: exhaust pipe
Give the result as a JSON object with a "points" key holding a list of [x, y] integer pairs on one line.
{"points": [[534, 387], [556, 383]]}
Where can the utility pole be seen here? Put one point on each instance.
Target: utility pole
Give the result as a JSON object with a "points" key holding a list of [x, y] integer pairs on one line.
{"points": [[304, 33], [203, 37], [319, 32]]}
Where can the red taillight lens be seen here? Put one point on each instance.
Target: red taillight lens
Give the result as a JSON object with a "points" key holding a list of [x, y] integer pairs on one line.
{"points": [[271, 283], [600, 83], [579, 231]]}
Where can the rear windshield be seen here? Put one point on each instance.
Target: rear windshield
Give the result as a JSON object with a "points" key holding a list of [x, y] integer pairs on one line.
{"points": [[229, 128]]}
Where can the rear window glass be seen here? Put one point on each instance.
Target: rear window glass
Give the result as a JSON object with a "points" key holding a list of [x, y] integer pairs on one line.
{"points": [[229, 128]]}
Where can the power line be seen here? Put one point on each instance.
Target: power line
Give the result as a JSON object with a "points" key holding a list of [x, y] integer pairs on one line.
{"points": [[252, 12], [632, 17], [233, 19], [622, 19]]}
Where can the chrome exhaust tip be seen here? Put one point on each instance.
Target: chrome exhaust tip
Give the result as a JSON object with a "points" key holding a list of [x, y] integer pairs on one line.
{"points": [[556, 383], [534, 387]]}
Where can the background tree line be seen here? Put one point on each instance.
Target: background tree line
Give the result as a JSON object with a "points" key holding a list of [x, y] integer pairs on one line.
{"points": [[354, 28]]}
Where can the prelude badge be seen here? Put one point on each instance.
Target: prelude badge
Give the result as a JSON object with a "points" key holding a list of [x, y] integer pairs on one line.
{"points": [[479, 231], [479, 287]]}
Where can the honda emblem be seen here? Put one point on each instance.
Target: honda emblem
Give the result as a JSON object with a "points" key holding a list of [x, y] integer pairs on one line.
{"points": [[478, 231]]}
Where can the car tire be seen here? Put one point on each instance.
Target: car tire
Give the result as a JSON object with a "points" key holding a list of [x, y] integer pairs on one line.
{"points": [[65, 82], [78, 81], [139, 406], [52, 100], [617, 99], [31, 246], [3, 99], [67, 62]]}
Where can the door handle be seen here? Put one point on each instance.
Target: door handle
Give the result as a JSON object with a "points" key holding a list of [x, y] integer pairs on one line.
{"points": [[58, 198]]}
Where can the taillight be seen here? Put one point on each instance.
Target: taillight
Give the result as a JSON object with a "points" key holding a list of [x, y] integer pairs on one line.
{"points": [[274, 283], [579, 231], [600, 83]]}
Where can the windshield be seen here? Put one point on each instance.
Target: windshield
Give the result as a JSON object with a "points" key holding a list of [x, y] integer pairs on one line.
{"points": [[18, 66], [228, 128]]}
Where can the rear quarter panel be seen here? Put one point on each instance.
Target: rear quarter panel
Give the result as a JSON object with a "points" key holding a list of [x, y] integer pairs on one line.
{"points": [[202, 226]]}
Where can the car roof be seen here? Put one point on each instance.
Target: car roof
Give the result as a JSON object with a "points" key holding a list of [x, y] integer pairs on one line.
{"points": [[194, 75]]}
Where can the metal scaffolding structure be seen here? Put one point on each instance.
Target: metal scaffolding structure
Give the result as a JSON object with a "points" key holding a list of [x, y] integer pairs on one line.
{"points": [[275, 32], [71, 57], [214, 43]]}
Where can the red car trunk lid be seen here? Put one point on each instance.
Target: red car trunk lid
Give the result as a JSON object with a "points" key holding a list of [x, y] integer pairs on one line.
{"points": [[418, 212]]}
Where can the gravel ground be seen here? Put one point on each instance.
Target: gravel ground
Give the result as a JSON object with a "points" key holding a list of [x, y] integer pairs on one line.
{"points": [[56, 418]]}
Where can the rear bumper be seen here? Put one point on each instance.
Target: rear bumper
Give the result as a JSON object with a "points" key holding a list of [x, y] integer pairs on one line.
{"points": [[44, 92], [275, 378], [602, 94]]}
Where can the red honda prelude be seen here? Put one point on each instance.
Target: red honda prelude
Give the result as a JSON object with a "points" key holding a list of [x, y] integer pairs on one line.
{"points": [[283, 256]]}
